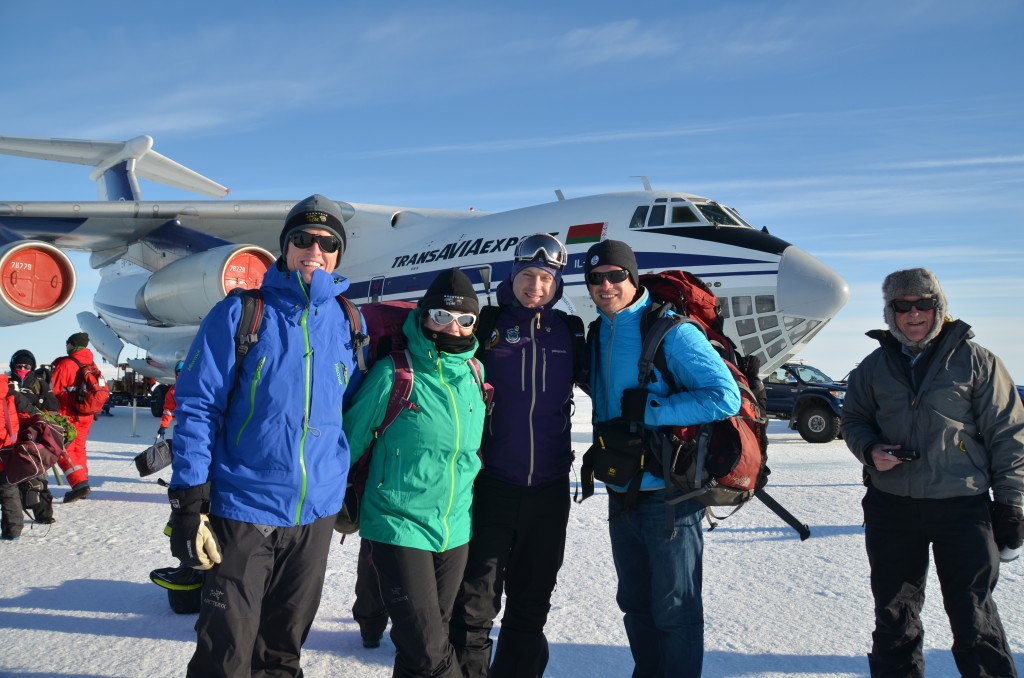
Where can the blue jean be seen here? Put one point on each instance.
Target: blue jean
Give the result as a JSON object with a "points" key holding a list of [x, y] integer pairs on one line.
{"points": [[660, 582]]}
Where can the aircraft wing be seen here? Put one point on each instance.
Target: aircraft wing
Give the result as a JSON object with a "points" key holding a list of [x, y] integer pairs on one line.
{"points": [[101, 226], [102, 155]]}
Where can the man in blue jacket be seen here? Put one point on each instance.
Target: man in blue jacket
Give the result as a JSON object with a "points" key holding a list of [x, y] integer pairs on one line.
{"points": [[521, 495], [260, 457], [659, 576]]}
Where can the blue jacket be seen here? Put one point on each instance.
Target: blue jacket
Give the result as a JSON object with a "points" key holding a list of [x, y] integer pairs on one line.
{"points": [[527, 437], [711, 392], [274, 450]]}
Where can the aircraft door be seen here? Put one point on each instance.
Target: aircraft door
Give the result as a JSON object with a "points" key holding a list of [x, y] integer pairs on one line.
{"points": [[376, 289], [481, 273]]}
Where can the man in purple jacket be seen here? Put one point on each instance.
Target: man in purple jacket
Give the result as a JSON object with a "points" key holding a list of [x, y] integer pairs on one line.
{"points": [[532, 357]]}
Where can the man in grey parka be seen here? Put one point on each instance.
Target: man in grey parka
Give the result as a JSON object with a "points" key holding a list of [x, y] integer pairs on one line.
{"points": [[937, 423]]}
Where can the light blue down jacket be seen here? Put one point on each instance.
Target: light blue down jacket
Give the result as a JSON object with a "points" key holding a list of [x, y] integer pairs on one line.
{"points": [[274, 450], [711, 392]]}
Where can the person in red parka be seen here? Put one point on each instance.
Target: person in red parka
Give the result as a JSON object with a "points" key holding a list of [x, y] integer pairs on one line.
{"points": [[11, 517], [65, 371], [169, 403]]}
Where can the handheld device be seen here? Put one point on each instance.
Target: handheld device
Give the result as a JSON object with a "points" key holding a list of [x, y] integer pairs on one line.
{"points": [[905, 454]]}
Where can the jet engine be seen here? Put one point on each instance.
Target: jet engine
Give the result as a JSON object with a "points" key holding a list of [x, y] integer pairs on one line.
{"points": [[183, 292], [36, 281]]}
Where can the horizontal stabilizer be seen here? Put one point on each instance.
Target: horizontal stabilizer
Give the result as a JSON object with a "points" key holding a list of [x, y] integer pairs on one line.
{"points": [[102, 155]]}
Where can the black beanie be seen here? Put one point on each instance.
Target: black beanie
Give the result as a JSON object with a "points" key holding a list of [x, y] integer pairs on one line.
{"points": [[78, 340], [453, 291], [612, 253], [23, 357], [318, 212]]}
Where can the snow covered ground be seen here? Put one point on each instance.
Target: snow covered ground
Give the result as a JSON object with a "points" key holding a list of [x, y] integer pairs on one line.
{"points": [[75, 598]]}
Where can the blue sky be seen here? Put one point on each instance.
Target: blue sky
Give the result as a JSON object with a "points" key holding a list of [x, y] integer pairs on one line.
{"points": [[875, 135]]}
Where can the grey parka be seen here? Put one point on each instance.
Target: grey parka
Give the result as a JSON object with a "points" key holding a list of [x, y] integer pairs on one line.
{"points": [[964, 418]]}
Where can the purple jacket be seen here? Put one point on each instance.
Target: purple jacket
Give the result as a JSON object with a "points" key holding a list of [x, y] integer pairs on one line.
{"points": [[530, 364]]}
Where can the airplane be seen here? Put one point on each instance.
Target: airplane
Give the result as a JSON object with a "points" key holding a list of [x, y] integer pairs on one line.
{"points": [[164, 264]]}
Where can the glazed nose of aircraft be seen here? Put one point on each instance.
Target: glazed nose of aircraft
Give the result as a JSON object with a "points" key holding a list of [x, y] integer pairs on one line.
{"points": [[808, 288]]}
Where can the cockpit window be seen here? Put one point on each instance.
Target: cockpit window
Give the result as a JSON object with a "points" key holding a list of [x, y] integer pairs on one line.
{"points": [[714, 213], [639, 217], [657, 216], [683, 215]]}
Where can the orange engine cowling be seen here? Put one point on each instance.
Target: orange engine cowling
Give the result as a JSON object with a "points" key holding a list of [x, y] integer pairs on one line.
{"points": [[183, 292], [36, 281]]}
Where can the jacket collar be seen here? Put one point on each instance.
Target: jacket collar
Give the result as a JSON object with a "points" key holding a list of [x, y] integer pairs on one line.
{"points": [[322, 288], [633, 312]]}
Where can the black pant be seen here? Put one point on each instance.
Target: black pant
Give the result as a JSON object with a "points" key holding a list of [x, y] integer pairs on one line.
{"points": [[419, 590], [517, 547], [898, 532], [12, 520], [259, 603], [369, 610]]}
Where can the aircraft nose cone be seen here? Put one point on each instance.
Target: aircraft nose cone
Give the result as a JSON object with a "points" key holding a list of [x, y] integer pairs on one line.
{"points": [[808, 288]]}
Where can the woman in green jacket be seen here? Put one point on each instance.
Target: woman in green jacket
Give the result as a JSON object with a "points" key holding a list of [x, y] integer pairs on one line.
{"points": [[416, 512]]}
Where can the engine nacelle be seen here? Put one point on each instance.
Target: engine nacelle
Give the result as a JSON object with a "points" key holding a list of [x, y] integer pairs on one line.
{"points": [[36, 281], [183, 292]]}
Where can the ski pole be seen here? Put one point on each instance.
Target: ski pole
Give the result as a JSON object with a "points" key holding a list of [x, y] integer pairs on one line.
{"points": [[779, 510]]}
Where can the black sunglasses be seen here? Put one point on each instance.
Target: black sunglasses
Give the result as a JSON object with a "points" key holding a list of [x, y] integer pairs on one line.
{"points": [[903, 306], [22, 366], [614, 277], [304, 240]]}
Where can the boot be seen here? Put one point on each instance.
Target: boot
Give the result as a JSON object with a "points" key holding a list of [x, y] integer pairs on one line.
{"points": [[79, 491]]}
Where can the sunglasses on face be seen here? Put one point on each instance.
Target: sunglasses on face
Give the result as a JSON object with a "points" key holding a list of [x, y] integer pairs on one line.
{"points": [[22, 366], [443, 317], [304, 240], [904, 306], [614, 277]]}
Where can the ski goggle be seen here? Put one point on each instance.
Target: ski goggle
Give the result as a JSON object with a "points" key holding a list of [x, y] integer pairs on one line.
{"points": [[903, 306], [614, 277], [542, 246], [443, 317], [304, 240]]}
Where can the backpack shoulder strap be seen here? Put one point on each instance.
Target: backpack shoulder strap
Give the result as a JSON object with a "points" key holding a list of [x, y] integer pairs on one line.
{"points": [[654, 326], [579, 341], [485, 323], [248, 331], [360, 340], [486, 390], [401, 389]]}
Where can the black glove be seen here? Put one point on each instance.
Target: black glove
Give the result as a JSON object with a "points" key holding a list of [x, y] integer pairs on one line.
{"points": [[1007, 525], [192, 539], [634, 404], [160, 432]]}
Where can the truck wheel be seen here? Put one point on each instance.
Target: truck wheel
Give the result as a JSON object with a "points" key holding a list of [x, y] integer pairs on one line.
{"points": [[817, 424], [156, 403]]}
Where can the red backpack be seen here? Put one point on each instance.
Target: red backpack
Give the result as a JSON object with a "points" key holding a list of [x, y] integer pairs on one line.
{"points": [[90, 392], [720, 463]]}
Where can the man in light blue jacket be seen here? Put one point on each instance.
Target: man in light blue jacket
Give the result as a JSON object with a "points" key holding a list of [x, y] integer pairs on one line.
{"points": [[260, 457], [659, 576]]}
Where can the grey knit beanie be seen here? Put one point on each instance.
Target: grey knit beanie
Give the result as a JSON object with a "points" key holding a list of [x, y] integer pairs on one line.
{"points": [[914, 282]]}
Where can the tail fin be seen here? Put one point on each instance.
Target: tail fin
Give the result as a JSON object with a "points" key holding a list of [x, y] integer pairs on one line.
{"points": [[117, 164]]}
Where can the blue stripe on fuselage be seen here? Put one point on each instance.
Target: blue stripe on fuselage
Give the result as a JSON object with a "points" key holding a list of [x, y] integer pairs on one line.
{"points": [[412, 285]]}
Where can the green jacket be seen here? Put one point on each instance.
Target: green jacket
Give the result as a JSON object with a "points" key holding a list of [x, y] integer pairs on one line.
{"points": [[419, 490]]}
